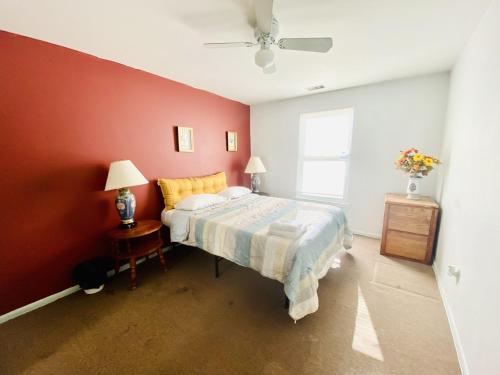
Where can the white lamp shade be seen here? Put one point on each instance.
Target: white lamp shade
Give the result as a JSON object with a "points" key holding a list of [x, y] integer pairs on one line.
{"points": [[255, 165], [122, 174]]}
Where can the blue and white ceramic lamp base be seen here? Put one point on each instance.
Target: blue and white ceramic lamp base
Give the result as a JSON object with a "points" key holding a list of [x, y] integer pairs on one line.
{"points": [[125, 205], [255, 183]]}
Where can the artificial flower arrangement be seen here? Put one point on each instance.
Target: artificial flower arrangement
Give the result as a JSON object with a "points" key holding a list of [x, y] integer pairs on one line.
{"points": [[413, 162]]}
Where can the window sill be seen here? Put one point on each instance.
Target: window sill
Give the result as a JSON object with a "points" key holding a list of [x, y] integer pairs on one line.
{"points": [[320, 199]]}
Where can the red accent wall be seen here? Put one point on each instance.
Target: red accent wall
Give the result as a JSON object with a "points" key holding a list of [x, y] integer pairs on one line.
{"points": [[64, 116]]}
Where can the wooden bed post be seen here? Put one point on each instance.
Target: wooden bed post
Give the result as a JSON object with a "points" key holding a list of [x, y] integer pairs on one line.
{"points": [[216, 263], [287, 303]]}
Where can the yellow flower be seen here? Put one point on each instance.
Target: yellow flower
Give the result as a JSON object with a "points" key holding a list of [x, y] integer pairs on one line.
{"points": [[418, 157], [428, 162]]}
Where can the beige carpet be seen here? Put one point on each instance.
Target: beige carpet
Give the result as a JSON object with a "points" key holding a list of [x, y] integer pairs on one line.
{"points": [[377, 316]]}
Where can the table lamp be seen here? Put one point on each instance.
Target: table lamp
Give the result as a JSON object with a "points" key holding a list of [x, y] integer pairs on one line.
{"points": [[255, 167], [122, 175]]}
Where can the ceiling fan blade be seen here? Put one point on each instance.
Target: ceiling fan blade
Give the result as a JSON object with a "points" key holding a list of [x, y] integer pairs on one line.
{"points": [[229, 44], [306, 44], [269, 69], [264, 15]]}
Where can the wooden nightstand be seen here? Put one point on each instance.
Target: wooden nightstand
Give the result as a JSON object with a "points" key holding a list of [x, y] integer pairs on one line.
{"points": [[409, 227], [137, 242]]}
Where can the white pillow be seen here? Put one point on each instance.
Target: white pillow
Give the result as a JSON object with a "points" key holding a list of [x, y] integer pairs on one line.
{"points": [[233, 192], [199, 201]]}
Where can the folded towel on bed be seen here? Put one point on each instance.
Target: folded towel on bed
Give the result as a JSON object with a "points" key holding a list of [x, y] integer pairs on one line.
{"points": [[287, 229], [284, 234], [293, 226]]}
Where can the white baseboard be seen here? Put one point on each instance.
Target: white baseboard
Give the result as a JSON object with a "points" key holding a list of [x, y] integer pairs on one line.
{"points": [[454, 332], [366, 234], [37, 304], [63, 293]]}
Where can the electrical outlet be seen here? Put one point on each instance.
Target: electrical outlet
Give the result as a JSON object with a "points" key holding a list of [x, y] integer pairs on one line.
{"points": [[454, 271]]}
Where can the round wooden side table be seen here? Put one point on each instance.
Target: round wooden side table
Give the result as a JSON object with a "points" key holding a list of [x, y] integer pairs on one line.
{"points": [[138, 242]]}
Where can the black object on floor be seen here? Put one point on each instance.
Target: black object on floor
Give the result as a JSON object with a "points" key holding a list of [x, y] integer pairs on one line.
{"points": [[91, 274]]}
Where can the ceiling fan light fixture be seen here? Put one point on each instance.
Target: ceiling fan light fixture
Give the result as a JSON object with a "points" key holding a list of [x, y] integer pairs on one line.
{"points": [[264, 57], [266, 30]]}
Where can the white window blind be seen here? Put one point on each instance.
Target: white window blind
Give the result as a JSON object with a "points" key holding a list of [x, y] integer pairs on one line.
{"points": [[324, 153]]}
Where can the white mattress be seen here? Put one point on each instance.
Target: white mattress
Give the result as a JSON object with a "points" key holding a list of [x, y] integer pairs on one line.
{"points": [[166, 217], [181, 227]]}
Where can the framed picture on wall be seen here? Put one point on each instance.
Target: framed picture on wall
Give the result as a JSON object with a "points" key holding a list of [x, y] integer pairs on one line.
{"points": [[232, 141], [185, 139]]}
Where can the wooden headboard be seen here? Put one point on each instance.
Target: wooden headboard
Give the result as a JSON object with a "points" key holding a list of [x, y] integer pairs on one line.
{"points": [[175, 189]]}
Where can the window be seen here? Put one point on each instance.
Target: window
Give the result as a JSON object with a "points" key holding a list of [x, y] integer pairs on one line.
{"points": [[324, 153]]}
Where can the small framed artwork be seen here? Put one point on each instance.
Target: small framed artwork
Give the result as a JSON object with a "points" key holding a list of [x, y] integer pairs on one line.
{"points": [[185, 139], [232, 141]]}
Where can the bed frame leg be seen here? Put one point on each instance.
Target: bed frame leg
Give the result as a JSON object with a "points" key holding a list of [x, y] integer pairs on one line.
{"points": [[216, 264]]}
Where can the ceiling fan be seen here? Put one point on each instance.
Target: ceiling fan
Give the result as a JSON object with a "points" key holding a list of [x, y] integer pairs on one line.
{"points": [[266, 32]]}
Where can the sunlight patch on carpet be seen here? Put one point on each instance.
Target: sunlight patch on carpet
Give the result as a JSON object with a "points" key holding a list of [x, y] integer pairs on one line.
{"points": [[365, 338], [414, 278], [336, 263]]}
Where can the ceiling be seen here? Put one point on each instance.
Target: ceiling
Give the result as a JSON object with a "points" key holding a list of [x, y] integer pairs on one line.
{"points": [[373, 40]]}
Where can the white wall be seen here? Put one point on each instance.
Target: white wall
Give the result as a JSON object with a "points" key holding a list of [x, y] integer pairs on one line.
{"points": [[388, 117], [470, 200]]}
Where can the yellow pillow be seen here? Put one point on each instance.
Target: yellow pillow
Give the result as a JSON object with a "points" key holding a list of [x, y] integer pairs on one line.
{"points": [[175, 189]]}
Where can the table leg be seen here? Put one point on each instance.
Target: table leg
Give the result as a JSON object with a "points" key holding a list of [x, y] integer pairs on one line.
{"points": [[133, 273], [117, 266], [162, 259]]}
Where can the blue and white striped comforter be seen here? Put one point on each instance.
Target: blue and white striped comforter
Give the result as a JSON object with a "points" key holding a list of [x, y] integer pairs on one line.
{"points": [[238, 231]]}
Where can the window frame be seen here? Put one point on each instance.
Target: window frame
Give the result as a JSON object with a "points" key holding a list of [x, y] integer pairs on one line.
{"points": [[303, 158]]}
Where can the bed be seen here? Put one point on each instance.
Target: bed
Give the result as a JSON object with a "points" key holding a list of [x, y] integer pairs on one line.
{"points": [[238, 230]]}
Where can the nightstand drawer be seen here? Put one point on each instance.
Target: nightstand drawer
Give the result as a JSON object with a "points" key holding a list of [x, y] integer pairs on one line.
{"points": [[406, 245], [410, 219]]}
